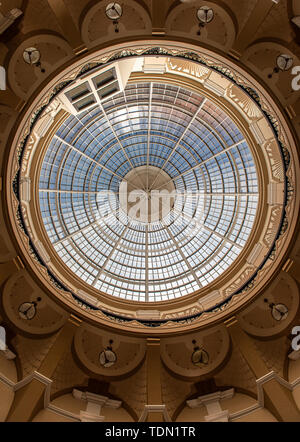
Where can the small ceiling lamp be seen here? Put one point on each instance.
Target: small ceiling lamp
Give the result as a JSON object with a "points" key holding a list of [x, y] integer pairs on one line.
{"points": [[205, 15], [200, 357], [27, 310], [284, 62], [108, 357], [114, 12], [32, 56], [278, 311]]}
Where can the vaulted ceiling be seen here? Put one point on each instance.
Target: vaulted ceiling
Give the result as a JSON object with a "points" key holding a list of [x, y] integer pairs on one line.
{"points": [[55, 353]]}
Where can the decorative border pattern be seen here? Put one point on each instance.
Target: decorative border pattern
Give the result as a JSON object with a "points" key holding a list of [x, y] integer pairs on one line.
{"points": [[289, 178]]}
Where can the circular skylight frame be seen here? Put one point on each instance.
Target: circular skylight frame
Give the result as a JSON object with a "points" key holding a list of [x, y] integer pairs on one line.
{"points": [[235, 292]]}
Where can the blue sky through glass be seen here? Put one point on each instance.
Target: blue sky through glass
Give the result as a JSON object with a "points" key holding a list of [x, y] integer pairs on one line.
{"points": [[202, 151]]}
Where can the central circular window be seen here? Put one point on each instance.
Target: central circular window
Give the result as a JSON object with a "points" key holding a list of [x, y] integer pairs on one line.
{"points": [[150, 196], [147, 194]]}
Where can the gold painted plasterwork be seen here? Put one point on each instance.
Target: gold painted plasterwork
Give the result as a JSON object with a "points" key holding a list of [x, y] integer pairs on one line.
{"points": [[251, 113]]}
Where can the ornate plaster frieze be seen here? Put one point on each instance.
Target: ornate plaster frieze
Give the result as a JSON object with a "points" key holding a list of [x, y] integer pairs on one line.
{"points": [[276, 152]]}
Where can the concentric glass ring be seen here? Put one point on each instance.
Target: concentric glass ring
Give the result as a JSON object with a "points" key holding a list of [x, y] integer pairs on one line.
{"points": [[159, 127]]}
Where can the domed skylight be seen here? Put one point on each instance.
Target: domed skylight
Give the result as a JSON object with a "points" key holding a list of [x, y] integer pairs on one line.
{"points": [[105, 165]]}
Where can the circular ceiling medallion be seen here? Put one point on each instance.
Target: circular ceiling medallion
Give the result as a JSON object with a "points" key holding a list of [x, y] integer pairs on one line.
{"points": [[153, 199]]}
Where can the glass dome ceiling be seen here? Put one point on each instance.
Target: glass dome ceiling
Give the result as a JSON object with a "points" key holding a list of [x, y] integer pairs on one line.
{"points": [[152, 136]]}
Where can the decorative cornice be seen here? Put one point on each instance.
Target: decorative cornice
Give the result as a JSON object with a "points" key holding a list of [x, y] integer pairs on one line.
{"points": [[290, 386], [155, 409], [103, 401], [209, 398]]}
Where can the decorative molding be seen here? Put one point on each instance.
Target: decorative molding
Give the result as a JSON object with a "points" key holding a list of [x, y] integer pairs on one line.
{"points": [[221, 416], [210, 300], [244, 102], [155, 409], [148, 314], [276, 194], [7, 20], [238, 289], [257, 254], [45, 122], [91, 300], [154, 66], [211, 398], [63, 413], [291, 386], [213, 406], [103, 401], [33, 376], [95, 403], [185, 67], [42, 252], [256, 131], [25, 186]]}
